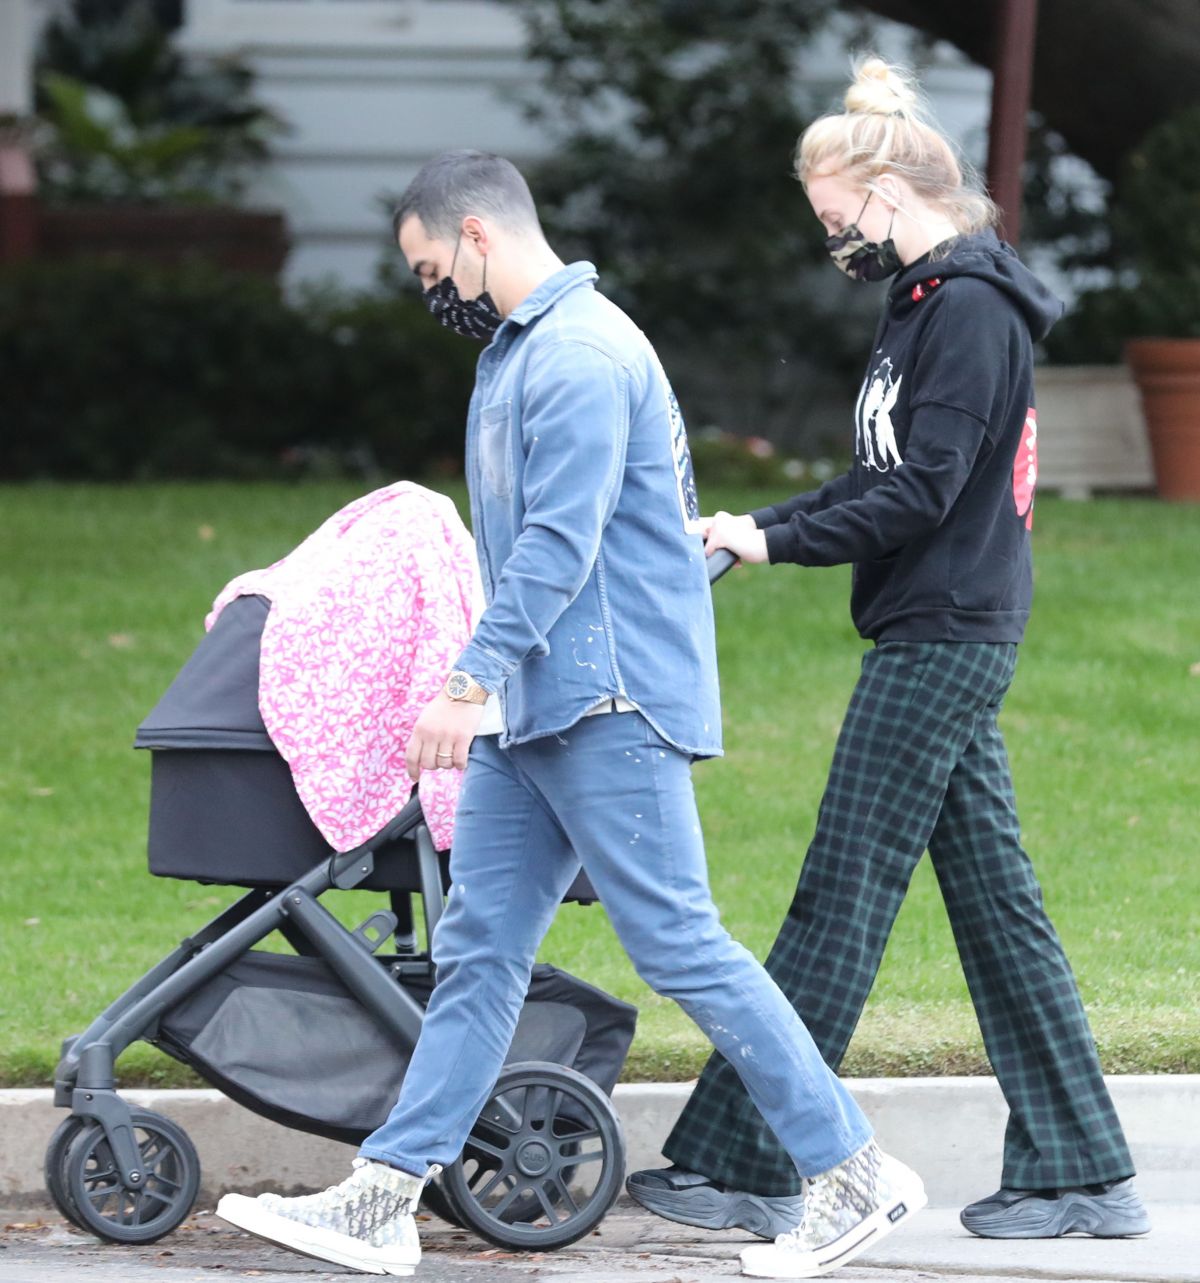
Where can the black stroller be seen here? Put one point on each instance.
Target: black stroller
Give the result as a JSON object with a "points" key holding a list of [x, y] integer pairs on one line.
{"points": [[318, 1039]]}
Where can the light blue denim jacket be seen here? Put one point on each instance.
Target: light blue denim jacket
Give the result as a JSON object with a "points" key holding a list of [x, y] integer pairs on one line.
{"points": [[584, 508]]}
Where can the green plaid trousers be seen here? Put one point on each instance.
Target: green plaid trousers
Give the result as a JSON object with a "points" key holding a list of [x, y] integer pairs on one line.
{"points": [[920, 764]]}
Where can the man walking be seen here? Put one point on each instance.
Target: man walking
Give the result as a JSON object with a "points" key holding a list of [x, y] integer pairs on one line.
{"points": [[598, 644]]}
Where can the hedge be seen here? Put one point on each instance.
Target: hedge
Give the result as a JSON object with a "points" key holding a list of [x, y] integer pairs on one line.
{"points": [[114, 371]]}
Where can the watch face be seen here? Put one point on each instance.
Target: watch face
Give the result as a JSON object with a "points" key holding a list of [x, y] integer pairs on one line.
{"points": [[458, 685]]}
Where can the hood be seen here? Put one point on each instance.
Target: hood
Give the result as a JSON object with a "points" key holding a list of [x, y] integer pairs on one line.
{"points": [[984, 255]]}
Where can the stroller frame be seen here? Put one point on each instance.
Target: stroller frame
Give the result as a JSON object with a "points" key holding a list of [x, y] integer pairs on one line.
{"points": [[541, 1158]]}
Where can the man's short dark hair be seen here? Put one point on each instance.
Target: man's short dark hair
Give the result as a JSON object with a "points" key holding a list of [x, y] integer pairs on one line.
{"points": [[458, 183]]}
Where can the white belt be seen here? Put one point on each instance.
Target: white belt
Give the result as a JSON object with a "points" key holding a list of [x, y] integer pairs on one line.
{"points": [[613, 704]]}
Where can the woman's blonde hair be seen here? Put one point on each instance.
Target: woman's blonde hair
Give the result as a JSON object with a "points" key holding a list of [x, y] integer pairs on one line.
{"points": [[887, 128]]}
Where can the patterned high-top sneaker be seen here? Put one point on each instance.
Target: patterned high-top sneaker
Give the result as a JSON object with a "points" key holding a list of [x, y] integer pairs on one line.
{"points": [[365, 1223], [846, 1210]]}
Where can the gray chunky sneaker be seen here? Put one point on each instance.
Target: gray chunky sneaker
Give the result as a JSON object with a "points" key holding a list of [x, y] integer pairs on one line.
{"points": [[1111, 1210], [846, 1210], [693, 1199], [365, 1223]]}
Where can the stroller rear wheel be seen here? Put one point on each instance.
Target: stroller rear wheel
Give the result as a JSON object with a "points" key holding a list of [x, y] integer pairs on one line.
{"points": [[435, 1201], [543, 1164], [98, 1195]]}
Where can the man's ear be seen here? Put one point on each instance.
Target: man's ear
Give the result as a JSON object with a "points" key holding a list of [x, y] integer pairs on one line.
{"points": [[476, 230]]}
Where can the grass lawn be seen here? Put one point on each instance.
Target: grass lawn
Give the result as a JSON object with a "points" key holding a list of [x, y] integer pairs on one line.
{"points": [[104, 593]]}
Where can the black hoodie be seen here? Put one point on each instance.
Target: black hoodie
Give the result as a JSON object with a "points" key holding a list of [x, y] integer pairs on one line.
{"points": [[936, 510]]}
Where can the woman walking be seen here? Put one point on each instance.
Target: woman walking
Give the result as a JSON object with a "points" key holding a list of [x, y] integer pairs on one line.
{"points": [[935, 513]]}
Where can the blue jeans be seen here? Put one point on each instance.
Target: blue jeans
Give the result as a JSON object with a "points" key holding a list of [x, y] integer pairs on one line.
{"points": [[609, 792]]}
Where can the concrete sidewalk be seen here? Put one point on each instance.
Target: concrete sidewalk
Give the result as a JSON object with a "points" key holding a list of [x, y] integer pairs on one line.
{"points": [[949, 1129], [629, 1247]]}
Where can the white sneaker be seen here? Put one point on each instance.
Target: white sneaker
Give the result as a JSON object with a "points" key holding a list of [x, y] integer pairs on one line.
{"points": [[846, 1210], [365, 1223]]}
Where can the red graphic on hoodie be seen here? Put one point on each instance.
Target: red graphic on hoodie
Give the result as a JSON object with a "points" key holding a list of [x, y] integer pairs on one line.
{"points": [[1025, 469]]}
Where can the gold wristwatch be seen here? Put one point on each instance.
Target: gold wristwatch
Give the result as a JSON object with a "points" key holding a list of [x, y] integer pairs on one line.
{"points": [[463, 688]]}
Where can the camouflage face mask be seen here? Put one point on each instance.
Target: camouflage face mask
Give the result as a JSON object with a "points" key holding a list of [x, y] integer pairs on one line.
{"points": [[861, 259]]}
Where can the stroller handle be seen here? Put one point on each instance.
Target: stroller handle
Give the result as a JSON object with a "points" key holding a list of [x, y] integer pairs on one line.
{"points": [[719, 563]]}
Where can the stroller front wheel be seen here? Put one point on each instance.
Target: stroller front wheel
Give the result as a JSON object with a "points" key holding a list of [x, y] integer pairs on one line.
{"points": [[543, 1164], [55, 1167], [105, 1206]]}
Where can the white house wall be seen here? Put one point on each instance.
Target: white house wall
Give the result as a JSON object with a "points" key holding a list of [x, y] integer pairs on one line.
{"points": [[372, 88], [20, 23]]}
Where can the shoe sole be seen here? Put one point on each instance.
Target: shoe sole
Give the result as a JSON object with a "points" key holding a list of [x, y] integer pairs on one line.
{"points": [[309, 1240], [909, 1198], [1070, 1214], [710, 1209]]}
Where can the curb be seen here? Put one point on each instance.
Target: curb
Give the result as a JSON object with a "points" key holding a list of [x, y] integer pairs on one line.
{"points": [[949, 1129]]}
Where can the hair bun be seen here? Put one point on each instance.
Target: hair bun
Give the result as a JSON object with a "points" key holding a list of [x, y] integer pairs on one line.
{"points": [[882, 90]]}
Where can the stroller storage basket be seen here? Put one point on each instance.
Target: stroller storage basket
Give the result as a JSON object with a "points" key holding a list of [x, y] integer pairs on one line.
{"points": [[284, 1037]]}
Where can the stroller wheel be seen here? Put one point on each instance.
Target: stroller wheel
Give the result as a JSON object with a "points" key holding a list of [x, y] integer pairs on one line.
{"points": [[54, 1167], [543, 1164], [105, 1206], [434, 1200]]}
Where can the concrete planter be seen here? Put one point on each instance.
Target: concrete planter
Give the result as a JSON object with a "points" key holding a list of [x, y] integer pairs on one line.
{"points": [[1092, 435]]}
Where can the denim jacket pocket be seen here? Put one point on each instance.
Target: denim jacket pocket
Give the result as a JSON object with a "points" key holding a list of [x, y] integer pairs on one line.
{"points": [[495, 448]]}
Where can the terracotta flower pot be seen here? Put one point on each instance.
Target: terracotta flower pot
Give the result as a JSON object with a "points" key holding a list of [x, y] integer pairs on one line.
{"points": [[1167, 372]]}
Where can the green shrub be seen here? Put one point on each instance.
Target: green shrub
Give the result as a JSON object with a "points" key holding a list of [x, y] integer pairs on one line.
{"points": [[1156, 228], [116, 372], [125, 117]]}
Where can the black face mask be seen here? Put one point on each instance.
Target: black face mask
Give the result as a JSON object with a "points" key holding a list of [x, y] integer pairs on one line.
{"points": [[473, 318], [861, 259]]}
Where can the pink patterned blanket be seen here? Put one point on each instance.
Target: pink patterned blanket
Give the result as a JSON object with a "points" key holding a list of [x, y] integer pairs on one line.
{"points": [[367, 617]]}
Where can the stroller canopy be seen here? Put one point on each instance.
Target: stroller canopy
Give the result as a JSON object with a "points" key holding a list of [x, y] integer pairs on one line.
{"points": [[213, 702]]}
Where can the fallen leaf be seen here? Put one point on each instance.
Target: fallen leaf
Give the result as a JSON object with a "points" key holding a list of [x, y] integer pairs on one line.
{"points": [[120, 641], [42, 792], [1195, 669]]}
